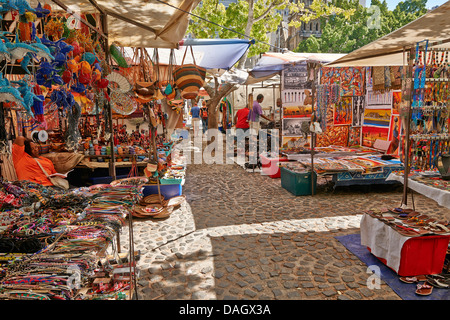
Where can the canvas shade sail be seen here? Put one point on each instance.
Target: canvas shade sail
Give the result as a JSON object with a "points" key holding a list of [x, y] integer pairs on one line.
{"points": [[272, 63], [208, 53], [137, 23], [388, 50]]}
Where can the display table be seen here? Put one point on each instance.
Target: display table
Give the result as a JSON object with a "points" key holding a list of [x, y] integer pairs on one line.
{"points": [[358, 178], [351, 170], [407, 256], [442, 197]]}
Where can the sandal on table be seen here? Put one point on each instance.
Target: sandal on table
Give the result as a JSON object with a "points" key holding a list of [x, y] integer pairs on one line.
{"points": [[438, 281], [424, 289], [413, 279]]}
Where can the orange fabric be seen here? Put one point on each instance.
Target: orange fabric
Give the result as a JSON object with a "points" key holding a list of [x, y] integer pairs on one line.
{"points": [[27, 168]]}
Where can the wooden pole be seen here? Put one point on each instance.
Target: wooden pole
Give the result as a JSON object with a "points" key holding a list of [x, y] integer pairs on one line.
{"points": [[407, 97], [281, 119], [313, 135]]}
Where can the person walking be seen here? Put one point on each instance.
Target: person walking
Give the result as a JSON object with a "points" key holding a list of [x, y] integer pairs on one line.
{"points": [[195, 113], [204, 116]]}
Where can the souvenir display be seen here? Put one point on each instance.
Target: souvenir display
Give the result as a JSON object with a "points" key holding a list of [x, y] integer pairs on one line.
{"points": [[72, 95]]}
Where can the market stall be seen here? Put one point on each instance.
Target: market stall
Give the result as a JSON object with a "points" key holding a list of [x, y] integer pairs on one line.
{"points": [[64, 82], [409, 242], [341, 109]]}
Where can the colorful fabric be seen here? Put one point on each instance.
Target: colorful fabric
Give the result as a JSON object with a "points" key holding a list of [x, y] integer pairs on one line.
{"points": [[27, 168]]}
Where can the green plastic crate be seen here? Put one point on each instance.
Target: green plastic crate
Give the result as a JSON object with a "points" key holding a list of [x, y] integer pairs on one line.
{"points": [[299, 184]]}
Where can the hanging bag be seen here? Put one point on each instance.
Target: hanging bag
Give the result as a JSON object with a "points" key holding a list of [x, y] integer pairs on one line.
{"points": [[56, 181], [169, 91], [144, 87], [189, 78]]}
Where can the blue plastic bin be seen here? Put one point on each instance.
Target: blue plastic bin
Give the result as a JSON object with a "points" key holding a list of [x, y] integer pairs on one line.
{"points": [[105, 180], [167, 190]]}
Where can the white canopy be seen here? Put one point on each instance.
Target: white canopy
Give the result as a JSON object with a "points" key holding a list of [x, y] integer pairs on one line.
{"points": [[388, 50], [137, 23]]}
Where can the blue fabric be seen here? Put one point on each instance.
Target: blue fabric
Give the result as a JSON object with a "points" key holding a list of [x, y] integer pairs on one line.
{"points": [[406, 291], [195, 111]]}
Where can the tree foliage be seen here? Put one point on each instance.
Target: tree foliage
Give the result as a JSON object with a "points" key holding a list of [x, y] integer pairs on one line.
{"points": [[255, 19], [252, 19], [343, 34]]}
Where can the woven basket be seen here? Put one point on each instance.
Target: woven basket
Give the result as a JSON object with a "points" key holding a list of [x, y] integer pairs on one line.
{"points": [[131, 181], [164, 213], [189, 78], [143, 211], [176, 201], [151, 199]]}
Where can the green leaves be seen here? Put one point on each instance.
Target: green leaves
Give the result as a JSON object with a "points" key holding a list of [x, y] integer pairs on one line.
{"points": [[264, 16], [351, 29]]}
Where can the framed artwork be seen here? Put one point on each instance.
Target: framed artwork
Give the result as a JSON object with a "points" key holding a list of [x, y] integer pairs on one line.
{"points": [[295, 127], [375, 98], [377, 117], [295, 77], [343, 112], [370, 134], [358, 110], [296, 97], [293, 144]]}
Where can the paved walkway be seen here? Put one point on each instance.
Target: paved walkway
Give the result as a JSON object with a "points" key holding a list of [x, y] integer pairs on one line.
{"points": [[241, 235]]}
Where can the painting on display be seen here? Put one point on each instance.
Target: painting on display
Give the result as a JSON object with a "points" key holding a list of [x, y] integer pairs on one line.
{"points": [[295, 97], [300, 110], [375, 98], [394, 133], [358, 111], [354, 136], [396, 101], [370, 134], [333, 136], [330, 75], [294, 144], [352, 81], [343, 112], [295, 77], [295, 127], [369, 81], [377, 117]]}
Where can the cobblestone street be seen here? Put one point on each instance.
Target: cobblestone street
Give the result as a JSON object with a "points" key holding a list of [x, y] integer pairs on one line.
{"points": [[240, 235]]}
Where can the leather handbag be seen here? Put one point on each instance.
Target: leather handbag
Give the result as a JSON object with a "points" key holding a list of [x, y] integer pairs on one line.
{"points": [[145, 89], [189, 78]]}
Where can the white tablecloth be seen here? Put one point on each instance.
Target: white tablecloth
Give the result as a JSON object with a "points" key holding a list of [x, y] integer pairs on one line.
{"points": [[383, 241], [442, 197]]}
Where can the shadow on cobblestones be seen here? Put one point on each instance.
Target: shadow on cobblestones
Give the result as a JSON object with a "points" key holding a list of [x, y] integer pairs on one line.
{"points": [[301, 266]]}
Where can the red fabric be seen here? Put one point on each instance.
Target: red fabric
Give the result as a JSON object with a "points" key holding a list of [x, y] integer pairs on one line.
{"points": [[242, 121], [422, 255], [270, 166]]}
